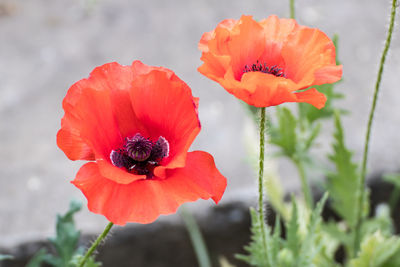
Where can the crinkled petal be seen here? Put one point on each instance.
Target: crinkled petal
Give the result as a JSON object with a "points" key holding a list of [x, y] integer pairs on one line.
{"points": [[99, 115], [311, 96], [264, 90], [247, 47], [144, 201], [95, 121], [169, 110], [276, 33], [204, 45], [214, 67], [310, 58], [69, 140]]}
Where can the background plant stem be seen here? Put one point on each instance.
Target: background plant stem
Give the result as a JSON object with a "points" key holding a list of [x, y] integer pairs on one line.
{"points": [[304, 184], [96, 244], [198, 243], [361, 185], [292, 10]]}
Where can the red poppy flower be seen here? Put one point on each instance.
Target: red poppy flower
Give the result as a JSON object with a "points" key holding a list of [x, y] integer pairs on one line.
{"points": [[135, 124], [269, 62]]}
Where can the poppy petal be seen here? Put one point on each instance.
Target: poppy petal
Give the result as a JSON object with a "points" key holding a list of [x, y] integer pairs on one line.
{"points": [[70, 142], [99, 129], [206, 37], [276, 32], [169, 111], [214, 66], [311, 96], [117, 79], [143, 201], [309, 51], [241, 50]]}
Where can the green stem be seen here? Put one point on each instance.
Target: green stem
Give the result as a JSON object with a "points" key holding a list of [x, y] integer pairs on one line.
{"points": [[261, 209], [361, 184], [95, 244], [292, 10], [197, 239], [304, 184]]}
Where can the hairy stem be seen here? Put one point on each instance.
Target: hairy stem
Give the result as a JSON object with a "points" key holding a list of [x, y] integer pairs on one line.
{"points": [[261, 209], [361, 184], [96, 244]]}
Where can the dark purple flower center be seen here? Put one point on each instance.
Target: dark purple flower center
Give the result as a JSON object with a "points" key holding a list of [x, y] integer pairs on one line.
{"points": [[274, 70], [139, 155]]}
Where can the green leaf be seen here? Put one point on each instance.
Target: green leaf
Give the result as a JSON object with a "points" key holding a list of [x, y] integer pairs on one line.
{"points": [[312, 135], [284, 135], [276, 243], [257, 255], [90, 262], [39, 258], [376, 251], [293, 241], [67, 237], [311, 113], [196, 237], [342, 183], [5, 257], [392, 178], [275, 193], [382, 221], [309, 246]]}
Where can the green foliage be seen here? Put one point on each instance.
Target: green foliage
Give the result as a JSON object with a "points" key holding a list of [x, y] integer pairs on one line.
{"points": [[198, 243], [309, 246], [342, 183], [275, 193], [284, 135], [296, 251], [393, 178], [67, 237], [380, 222], [378, 251], [311, 114], [293, 240], [90, 262], [65, 243], [257, 254]]}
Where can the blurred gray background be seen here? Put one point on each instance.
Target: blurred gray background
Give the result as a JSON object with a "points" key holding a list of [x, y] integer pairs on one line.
{"points": [[47, 45]]}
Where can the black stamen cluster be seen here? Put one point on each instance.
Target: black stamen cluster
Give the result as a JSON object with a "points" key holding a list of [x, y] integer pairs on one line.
{"points": [[139, 155], [274, 70]]}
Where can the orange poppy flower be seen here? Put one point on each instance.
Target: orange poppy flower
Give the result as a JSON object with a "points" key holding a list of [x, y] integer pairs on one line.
{"points": [[135, 124], [269, 62]]}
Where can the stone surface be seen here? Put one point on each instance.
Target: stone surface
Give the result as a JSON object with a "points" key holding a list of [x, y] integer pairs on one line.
{"points": [[45, 46]]}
